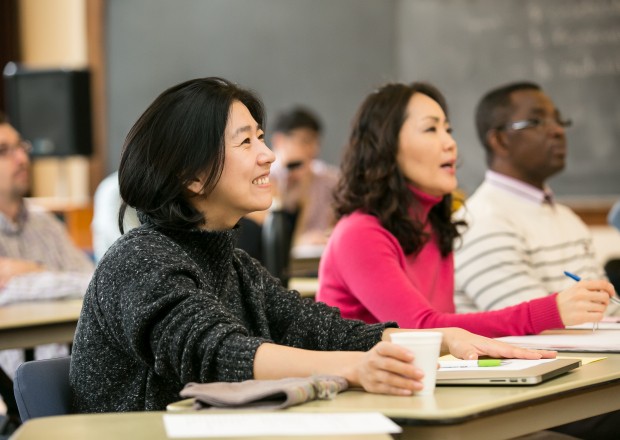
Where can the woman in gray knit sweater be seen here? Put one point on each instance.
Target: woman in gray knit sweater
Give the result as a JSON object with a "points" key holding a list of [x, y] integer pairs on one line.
{"points": [[173, 301]]}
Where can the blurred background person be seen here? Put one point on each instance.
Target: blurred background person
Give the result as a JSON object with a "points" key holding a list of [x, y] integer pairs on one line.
{"points": [[304, 183], [38, 261]]}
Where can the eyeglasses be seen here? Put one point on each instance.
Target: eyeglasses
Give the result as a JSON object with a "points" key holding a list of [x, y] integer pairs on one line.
{"points": [[7, 150], [294, 165], [542, 123]]}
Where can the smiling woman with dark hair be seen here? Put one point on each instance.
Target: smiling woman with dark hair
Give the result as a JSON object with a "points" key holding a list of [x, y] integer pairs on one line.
{"points": [[174, 302]]}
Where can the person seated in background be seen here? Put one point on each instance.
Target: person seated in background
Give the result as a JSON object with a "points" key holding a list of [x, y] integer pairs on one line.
{"points": [[38, 261], [390, 254], [104, 227], [172, 301], [304, 183], [519, 239]]}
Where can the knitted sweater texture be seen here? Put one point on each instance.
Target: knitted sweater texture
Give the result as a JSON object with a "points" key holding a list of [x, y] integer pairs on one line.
{"points": [[165, 308]]}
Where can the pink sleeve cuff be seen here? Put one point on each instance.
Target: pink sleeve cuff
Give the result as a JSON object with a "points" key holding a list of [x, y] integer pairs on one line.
{"points": [[544, 314]]}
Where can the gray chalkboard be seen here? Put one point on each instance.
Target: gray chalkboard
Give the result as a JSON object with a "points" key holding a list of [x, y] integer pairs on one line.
{"points": [[326, 54], [329, 54], [570, 47]]}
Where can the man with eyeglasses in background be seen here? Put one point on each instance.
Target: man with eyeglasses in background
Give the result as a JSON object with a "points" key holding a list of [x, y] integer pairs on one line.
{"points": [[37, 258], [519, 240], [304, 182]]}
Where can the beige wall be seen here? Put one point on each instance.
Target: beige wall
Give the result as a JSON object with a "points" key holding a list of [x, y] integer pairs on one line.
{"points": [[53, 35]]}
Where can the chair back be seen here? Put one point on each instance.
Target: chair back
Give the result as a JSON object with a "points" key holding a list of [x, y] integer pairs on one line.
{"points": [[42, 388], [277, 236]]}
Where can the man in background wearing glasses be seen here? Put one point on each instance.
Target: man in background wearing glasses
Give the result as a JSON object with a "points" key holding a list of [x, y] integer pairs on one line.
{"points": [[303, 182], [519, 240], [37, 258]]}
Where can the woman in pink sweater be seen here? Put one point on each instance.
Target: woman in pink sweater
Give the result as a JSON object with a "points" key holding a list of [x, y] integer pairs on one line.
{"points": [[390, 254]]}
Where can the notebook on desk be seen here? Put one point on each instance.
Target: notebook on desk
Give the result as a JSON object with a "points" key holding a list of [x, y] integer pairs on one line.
{"points": [[607, 341], [511, 372]]}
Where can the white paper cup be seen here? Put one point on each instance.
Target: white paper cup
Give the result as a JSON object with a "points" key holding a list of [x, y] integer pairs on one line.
{"points": [[425, 347]]}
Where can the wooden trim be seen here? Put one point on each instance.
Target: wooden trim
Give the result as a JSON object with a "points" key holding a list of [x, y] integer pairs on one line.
{"points": [[593, 211], [95, 40]]}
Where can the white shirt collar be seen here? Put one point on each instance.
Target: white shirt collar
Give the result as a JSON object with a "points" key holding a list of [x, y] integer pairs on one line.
{"points": [[519, 188]]}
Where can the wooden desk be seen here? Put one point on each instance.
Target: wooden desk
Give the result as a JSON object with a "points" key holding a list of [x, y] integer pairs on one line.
{"points": [[498, 412], [130, 426], [26, 325]]}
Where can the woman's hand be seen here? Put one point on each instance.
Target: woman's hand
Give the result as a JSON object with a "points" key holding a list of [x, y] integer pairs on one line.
{"points": [[387, 369], [465, 345], [584, 301]]}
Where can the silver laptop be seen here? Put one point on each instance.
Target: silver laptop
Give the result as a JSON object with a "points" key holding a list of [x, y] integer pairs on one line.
{"points": [[498, 376]]}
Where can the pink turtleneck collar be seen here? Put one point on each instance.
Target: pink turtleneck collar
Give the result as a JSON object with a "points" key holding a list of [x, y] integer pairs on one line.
{"points": [[425, 203]]}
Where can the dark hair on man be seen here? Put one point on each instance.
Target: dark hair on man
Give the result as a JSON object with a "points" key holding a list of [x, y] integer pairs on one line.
{"points": [[371, 180], [297, 117], [180, 136], [495, 109]]}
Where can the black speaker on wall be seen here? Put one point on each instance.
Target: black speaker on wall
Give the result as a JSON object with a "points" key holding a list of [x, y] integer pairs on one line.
{"points": [[51, 108]]}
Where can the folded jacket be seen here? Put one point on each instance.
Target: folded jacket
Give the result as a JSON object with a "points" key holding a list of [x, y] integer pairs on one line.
{"points": [[268, 394]]}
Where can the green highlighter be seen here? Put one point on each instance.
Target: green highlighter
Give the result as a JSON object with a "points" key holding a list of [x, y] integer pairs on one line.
{"points": [[470, 364], [489, 362]]}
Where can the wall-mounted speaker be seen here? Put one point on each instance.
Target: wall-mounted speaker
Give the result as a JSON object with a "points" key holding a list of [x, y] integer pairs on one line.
{"points": [[50, 108]]}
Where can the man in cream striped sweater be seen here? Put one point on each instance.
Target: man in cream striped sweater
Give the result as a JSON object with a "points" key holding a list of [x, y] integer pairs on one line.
{"points": [[519, 241]]}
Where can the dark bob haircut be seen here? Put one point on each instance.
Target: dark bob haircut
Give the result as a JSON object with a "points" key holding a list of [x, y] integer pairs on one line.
{"points": [[180, 136], [371, 180]]}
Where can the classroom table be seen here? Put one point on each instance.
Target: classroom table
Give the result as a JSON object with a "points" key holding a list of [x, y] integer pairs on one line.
{"points": [[121, 426], [28, 324], [454, 412], [498, 412]]}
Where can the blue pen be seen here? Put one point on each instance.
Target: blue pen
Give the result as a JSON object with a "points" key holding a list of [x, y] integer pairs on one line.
{"points": [[572, 275], [578, 278]]}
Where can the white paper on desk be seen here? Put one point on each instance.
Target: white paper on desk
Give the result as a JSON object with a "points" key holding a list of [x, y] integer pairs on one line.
{"points": [[573, 340], [608, 323], [272, 424]]}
